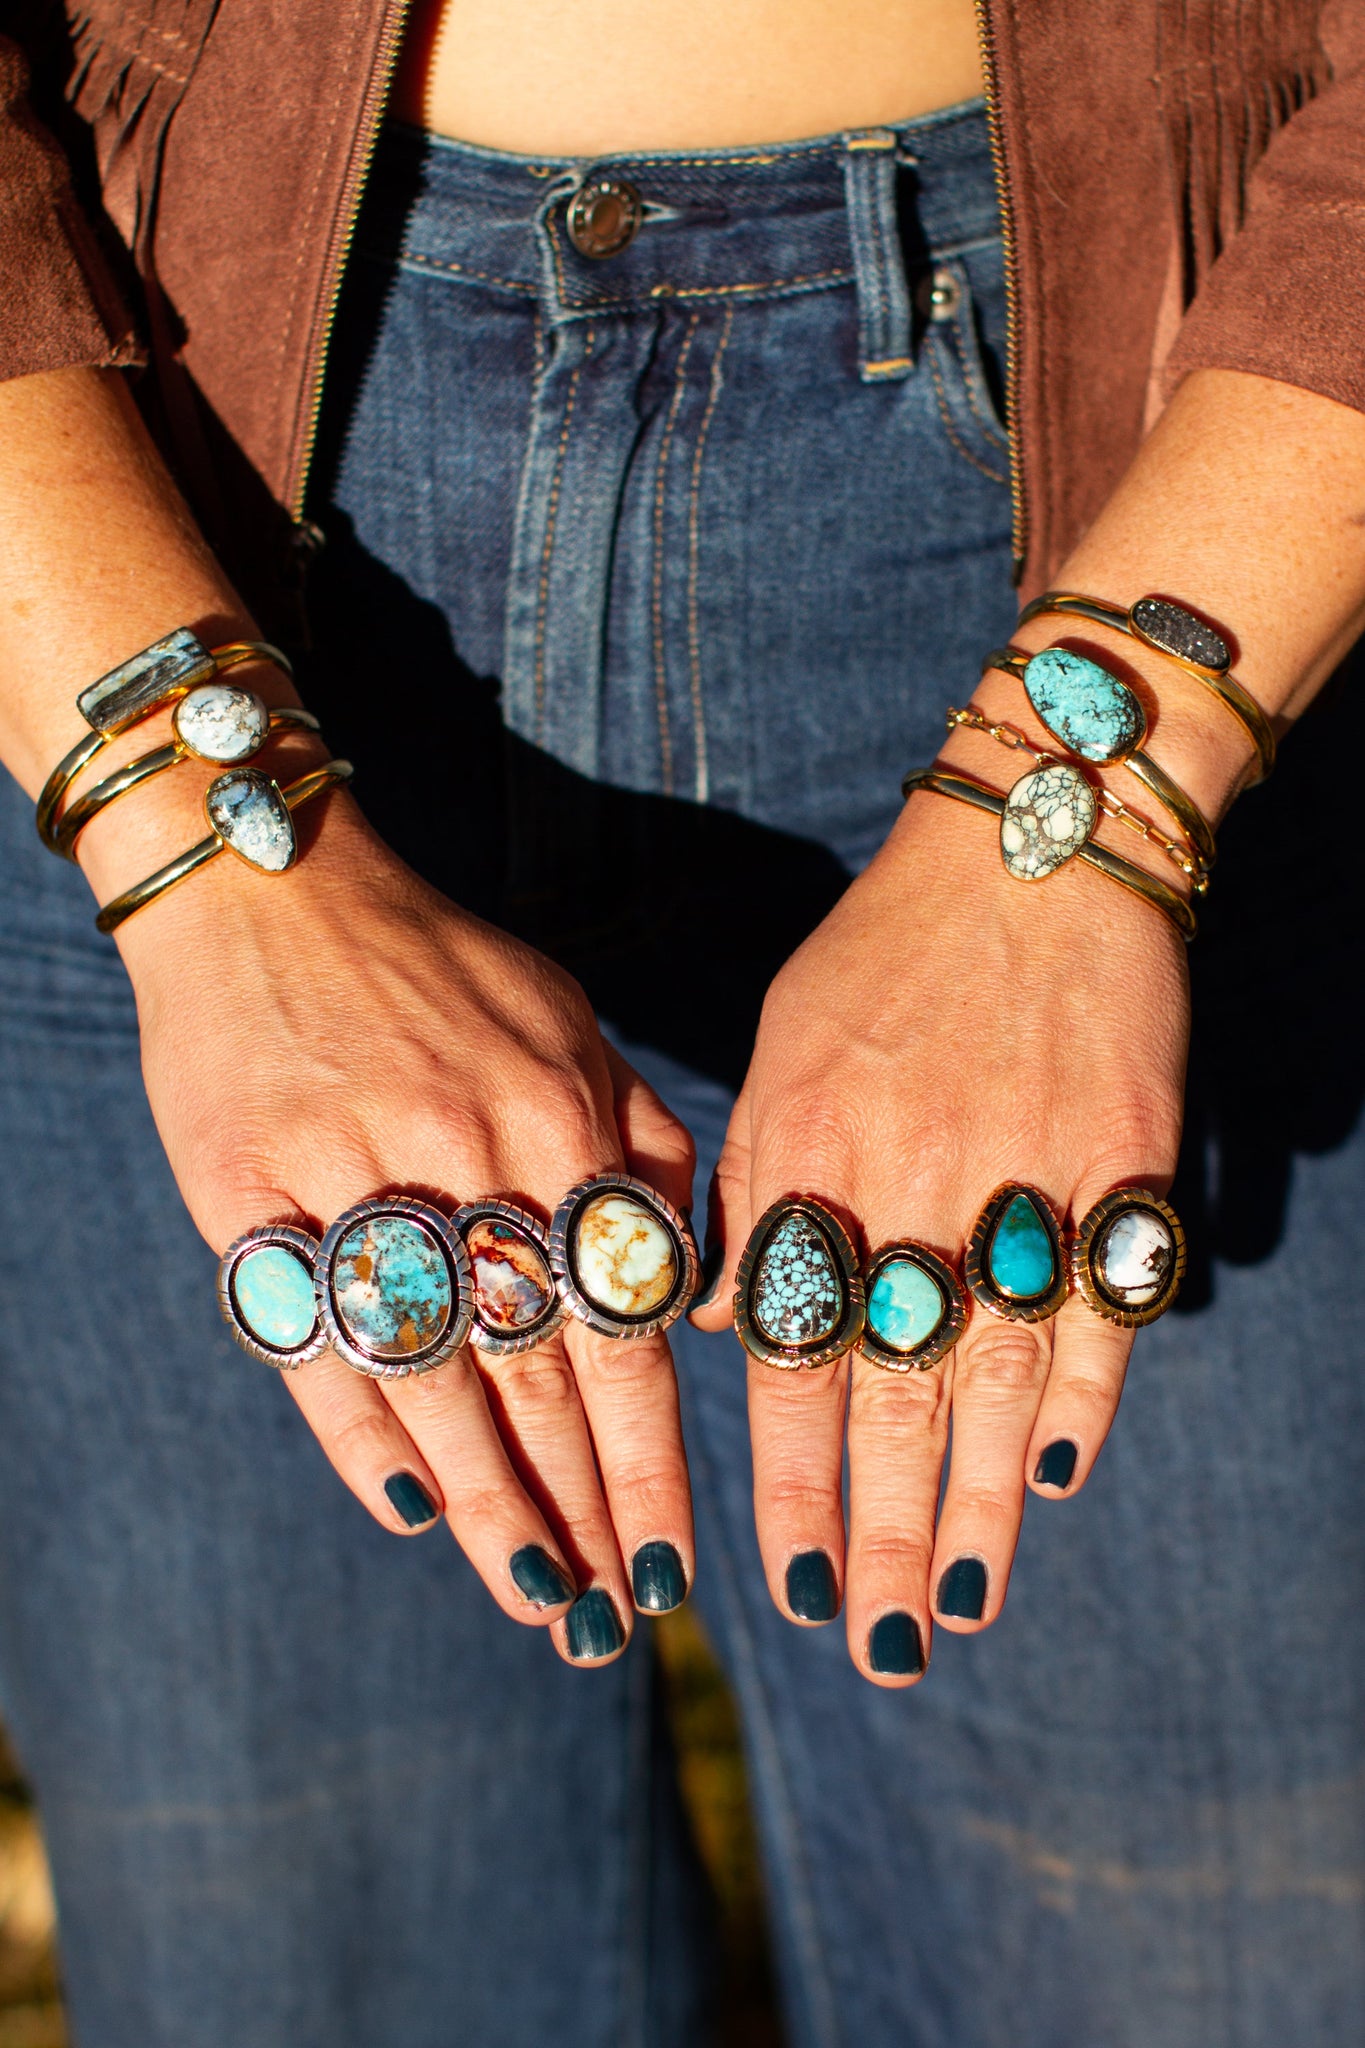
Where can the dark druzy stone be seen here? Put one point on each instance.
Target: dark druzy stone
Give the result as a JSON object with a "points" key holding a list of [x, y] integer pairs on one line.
{"points": [[1176, 631]]}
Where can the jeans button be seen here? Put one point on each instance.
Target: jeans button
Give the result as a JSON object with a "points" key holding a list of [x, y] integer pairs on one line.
{"points": [[939, 295], [604, 217]]}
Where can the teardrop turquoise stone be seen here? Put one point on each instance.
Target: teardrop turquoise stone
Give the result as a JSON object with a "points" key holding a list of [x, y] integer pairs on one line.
{"points": [[1019, 1258], [1082, 705], [905, 1305]]}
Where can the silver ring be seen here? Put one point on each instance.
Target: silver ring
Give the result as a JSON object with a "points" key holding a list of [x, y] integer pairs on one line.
{"points": [[517, 1304], [624, 1260], [266, 1294], [394, 1290]]}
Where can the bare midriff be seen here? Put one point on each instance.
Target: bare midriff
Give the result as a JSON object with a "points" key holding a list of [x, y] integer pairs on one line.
{"points": [[587, 77]]}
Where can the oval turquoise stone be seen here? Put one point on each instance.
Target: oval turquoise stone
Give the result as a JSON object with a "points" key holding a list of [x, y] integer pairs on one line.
{"points": [[1082, 705], [273, 1290], [391, 1287], [1019, 1258], [905, 1306], [797, 1294]]}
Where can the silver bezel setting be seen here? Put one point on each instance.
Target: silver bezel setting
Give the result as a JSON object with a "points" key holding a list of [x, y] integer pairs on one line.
{"points": [[504, 1343], [1084, 1267], [940, 1341], [563, 1265], [1036, 1308], [456, 1331], [847, 1333], [305, 1247]]}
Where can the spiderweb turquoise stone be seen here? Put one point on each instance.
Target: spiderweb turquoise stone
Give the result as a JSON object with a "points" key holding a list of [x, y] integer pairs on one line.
{"points": [[797, 1293], [905, 1305], [1019, 1259], [273, 1291], [391, 1287], [1086, 708]]}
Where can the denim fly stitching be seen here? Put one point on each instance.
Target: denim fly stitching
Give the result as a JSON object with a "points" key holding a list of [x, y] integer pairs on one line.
{"points": [[552, 513], [408, 261], [988, 425], [702, 783], [953, 435], [660, 480]]}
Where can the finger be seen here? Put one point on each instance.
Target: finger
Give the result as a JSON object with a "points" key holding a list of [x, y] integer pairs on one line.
{"points": [[999, 1371], [897, 1439], [492, 1517], [657, 1147], [534, 1399], [796, 1420], [367, 1445], [729, 1219], [630, 1397], [1089, 1363]]}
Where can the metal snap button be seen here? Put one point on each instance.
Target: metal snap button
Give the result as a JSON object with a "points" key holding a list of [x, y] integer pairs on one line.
{"points": [[939, 295], [604, 217]]}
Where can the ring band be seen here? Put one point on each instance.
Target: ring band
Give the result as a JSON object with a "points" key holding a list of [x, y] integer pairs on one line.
{"points": [[1016, 1265], [916, 1307], [516, 1302], [1128, 1258], [624, 1260], [267, 1295], [799, 1298], [394, 1290]]}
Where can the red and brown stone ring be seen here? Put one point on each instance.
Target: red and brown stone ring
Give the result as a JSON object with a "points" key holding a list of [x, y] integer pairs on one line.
{"points": [[624, 1260], [516, 1302], [266, 1293], [394, 1290]]}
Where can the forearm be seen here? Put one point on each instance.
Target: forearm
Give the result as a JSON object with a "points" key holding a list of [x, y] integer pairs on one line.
{"points": [[1246, 502], [99, 557]]}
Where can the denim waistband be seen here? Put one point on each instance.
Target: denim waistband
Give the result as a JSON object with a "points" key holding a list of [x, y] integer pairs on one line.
{"points": [[717, 224]]}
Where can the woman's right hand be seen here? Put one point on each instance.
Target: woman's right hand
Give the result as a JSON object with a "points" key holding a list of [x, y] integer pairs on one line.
{"points": [[313, 1039]]}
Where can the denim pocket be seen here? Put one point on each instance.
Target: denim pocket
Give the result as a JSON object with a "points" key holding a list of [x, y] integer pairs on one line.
{"points": [[964, 350]]}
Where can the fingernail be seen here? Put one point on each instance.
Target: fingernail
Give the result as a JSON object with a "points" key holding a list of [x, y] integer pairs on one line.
{"points": [[538, 1578], [657, 1578], [712, 1273], [1057, 1465], [411, 1499], [594, 1626], [894, 1647], [962, 1589], [812, 1589]]}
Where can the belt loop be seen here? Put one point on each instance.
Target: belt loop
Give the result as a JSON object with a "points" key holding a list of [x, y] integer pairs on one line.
{"points": [[883, 295]]}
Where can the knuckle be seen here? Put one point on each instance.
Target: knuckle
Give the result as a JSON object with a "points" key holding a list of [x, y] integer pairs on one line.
{"points": [[900, 1403], [888, 1554], [359, 1442], [1010, 1359], [530, 1380], [989, 1505], [792, 1495]]}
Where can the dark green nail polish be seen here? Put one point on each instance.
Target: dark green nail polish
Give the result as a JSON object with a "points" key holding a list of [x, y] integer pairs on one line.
{"points": [[962, 1589], [657, 1578], [411, 1499], [894, 1647], [812, 1589], [1057, 1466], [594, 1626], [538, 1578]]}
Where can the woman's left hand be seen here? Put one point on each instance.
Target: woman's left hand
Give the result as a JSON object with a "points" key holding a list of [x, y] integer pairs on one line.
{"points": [[945, 1030]]}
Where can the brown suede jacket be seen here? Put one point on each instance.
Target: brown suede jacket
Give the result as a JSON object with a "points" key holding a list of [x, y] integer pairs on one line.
{"points": [[1183, 184]]}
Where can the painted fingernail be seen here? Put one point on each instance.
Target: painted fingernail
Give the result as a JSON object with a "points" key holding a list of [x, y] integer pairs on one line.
{"points": [[411, 1499], [538, 1578], [962, 1589], [1057, 1466], [594, 1626], [712, 1273], [657, 1578], [812, 1589], [894, 1647]]}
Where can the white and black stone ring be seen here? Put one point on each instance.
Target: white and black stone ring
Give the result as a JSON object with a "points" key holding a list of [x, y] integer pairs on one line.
{"points": [[1128, 1257]]}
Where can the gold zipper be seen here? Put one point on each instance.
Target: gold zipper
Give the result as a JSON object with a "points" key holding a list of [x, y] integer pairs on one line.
{"points": [[985, 34], [343, 230]]}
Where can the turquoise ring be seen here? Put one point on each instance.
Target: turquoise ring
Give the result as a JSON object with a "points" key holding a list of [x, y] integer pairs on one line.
{"points": [[1015, 1262], [916, 1307], [394, 1290], [266, 1294], [799, 1298]]}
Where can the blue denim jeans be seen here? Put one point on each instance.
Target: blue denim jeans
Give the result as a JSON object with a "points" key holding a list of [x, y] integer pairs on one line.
{"points": [[645, 578]]}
